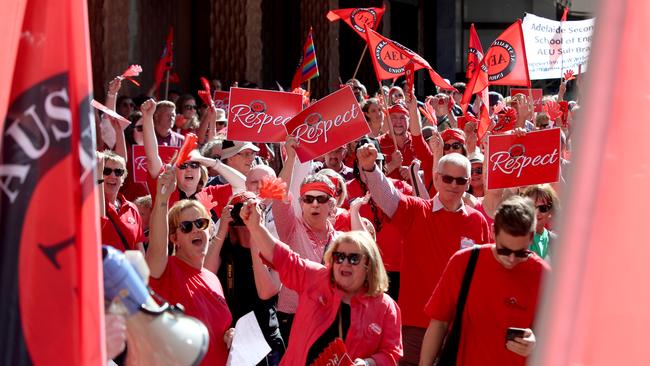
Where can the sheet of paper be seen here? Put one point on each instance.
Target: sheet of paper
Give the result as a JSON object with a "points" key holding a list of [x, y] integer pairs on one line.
{"points": [[124, 123], [248, 346]]}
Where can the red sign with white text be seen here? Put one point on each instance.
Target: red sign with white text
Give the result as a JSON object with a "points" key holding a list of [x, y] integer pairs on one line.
{"points": [[259, 115], [221, 99], [537, 96], [514, 161], [139, 167], [327, 124]]}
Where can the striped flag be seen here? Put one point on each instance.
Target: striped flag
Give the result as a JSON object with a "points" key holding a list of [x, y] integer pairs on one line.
{"points": [[308, 68]]}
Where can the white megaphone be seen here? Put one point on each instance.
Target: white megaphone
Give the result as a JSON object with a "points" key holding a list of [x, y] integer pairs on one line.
{"points": [[156, 334]]}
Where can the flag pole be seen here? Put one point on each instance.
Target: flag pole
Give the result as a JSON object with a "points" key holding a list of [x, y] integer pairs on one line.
{"points": [[309, 88], [363, 53], [384, 108], [166, 83]]}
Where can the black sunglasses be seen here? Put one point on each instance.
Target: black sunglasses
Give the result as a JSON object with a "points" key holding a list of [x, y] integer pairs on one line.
{"points": [[188, 107], [189, 164], [478, 170], [118, 172], [545, 208], [186, 226], [308, 199], [461, 181], [353, 258], [455, 146], [523, 253]]}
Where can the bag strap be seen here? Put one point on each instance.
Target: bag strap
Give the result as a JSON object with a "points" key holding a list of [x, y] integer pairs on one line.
{"points": [[464, 290], [117, 228]]}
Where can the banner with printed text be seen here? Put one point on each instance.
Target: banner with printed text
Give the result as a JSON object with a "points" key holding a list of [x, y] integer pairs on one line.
{"points": [[139, 167], [221, 99], [514, 161], [553, 46]]}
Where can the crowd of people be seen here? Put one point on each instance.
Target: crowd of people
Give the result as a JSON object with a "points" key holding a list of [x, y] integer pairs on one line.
{"points": [[374, 243]]}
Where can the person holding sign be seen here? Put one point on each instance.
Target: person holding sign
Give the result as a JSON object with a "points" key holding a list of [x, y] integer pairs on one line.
{"points": [[492, 331], [342, 298], [433, 231]]}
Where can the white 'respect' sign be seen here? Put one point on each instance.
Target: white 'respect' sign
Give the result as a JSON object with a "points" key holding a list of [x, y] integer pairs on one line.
{"points": [[553, 47]]}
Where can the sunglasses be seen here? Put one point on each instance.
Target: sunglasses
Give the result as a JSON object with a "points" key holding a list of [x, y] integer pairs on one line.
{"points": [[477, 170], [139, 128], [455, 146], [523, 253], [186, 226], [353, 258], [189, 107], [309, 199], [118, 172], [189, 164], [461, 181], [545, 208]]}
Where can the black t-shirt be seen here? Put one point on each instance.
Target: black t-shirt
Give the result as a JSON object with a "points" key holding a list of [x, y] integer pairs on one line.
{"points": [[343, 318]]}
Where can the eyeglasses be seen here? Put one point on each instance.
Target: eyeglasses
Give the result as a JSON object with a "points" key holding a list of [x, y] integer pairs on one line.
{"points": [[478, 170], [353, 258], [455, 146], [186, 226], [118, 172], [139, 128], [544, 208], [189, 164], [461, 181], [189, 107], [309, 199], [523, 253]]}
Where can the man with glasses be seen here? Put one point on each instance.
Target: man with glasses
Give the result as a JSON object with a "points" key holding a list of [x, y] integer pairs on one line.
{"points": [[503, 294], [433, 231]]}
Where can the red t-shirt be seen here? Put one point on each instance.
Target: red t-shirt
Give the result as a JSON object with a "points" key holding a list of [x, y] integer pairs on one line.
{"points": [[388, 146], [127, 220], [431, 238], [498, 298], [200, 292], [389, 237]]}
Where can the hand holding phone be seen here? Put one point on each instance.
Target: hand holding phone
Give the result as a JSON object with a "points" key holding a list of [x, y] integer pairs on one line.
{"points": [[513, 333]]}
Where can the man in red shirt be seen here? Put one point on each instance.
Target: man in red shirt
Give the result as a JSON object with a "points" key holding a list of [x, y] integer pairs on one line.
{"points": [[397, 166], [503, 293], [433, 231]]}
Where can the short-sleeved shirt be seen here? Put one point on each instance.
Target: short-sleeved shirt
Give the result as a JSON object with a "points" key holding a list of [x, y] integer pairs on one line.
{"points": [[431, 238], [498, 298], [200, 292], [127, 220]]}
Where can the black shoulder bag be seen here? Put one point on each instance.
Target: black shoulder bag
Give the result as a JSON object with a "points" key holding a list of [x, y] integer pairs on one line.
{"points": [[449, 351]]}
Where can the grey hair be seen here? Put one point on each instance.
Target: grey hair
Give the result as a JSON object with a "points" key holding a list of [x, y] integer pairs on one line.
{"points": [[455, 159]]}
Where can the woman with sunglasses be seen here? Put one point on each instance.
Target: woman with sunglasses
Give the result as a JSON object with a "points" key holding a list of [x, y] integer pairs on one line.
{"points": [[182, 277], [188, 116], [341, 298], [120, 219], [546, 205]]}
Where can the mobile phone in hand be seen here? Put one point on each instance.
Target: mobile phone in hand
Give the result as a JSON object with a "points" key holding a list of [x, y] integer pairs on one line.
{"points": [[513, 333]]}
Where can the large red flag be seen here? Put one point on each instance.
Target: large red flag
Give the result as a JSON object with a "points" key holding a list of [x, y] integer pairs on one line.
{"points": [[474, 52], [506, 58], [166, 61], [595, 309], [389, 59], [11, 18], [51, 292], [358, 18]]}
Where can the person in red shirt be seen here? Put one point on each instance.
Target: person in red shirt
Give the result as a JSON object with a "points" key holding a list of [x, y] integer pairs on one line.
{"points": [[490, 310], [433, 231], [341, 298], [120, 220], [182, 277], [397, 161]]}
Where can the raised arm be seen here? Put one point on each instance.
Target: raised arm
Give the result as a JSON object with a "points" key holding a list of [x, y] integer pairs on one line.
{"points": [[355, 216], [213, 259], [382, 191], [415, 123], [236, 179], [267, 282], [120, 141], [207, 126], [111, 96], [156, 255], [154, 163], [262, 240]]}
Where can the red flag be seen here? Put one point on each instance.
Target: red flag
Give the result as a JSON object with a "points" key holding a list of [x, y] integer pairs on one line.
{"points": [[389, 59], [565, 13], [166, 60], [474, 52], [308, 68], [11, 18], [51, 297], [358, 18]]}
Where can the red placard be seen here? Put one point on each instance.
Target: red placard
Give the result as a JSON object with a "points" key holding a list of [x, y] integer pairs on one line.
{"points": [[537, 96], [139, 167], [221, 99], [520, 161], [327, 124], [259, 115]]}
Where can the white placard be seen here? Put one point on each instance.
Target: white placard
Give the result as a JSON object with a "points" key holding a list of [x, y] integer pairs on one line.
{"points": [[248, 346]]}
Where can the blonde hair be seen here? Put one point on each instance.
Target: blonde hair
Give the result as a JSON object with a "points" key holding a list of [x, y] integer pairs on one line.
{"points": [[174, 215], [376, 277], [110, 155]]}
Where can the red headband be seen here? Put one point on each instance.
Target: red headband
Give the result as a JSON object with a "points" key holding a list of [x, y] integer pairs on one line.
{"points": [[452, 133], [398, 108], [317, 186]]}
